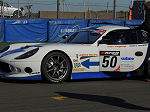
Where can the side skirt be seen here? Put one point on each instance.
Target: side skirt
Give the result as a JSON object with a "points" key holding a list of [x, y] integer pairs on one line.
{"points": [[88, 75]]}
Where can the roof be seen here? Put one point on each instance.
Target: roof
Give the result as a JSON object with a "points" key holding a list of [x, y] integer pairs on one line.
{"points": [[112, 27]]}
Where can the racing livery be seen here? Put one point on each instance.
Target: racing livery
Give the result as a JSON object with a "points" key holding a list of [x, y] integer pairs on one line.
{"points": [[103, 52]]}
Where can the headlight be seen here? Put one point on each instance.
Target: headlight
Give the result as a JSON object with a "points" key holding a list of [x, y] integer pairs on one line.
{"points": [[28, 54], [4, 49]]}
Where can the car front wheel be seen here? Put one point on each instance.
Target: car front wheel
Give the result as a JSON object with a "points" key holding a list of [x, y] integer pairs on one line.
{"points": [[56, 67]]}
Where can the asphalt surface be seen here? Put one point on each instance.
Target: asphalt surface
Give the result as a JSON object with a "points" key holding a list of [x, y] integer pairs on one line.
{"points": [[76, 96]]}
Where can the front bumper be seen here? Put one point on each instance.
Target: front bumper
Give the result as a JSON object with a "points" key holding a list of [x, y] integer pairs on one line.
{"points": [[20, 76], [16, 71]]}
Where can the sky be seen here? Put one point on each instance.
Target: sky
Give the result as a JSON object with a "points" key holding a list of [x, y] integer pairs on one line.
{"points": [[71, 5]]}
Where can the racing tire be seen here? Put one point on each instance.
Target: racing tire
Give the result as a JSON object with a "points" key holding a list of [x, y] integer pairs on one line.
{"points": [[56, 67], [147, 72], [140, 71], [15, 14]]}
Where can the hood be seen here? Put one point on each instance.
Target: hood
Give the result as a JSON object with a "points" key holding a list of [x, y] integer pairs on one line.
{"points": [[20, 48]]}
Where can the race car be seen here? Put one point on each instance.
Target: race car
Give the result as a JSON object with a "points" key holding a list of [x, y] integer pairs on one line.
{"points": [[8, 10], [93, 52]]}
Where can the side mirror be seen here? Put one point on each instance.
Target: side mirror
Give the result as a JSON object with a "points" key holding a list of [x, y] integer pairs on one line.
{"points": [[65, 36]]}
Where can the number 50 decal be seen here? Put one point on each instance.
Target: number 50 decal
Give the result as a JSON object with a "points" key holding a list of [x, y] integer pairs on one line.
{"points": [[109, 62]]}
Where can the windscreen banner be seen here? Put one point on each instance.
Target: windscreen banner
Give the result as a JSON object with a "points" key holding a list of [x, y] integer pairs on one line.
{"points": [[62, 27], [2, 23], [26, 30]]}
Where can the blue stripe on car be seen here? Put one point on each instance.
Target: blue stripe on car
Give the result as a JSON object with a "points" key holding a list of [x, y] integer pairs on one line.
{"points": [[36, 77], [12, 52], [88, 75]]}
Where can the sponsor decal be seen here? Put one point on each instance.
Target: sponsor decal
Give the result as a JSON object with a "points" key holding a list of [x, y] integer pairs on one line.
{"points": [[78, 69], [36, 73], [19, 22], [88, 55], [84, 56], [68, 30], [132, 45], [127, 66], [87, 63], [118, 46], [100, 32], [142, 45], [56, 22], [71, 30], [110, 53], [127, 58], [75, 60], [77, 65], [118, 69]]}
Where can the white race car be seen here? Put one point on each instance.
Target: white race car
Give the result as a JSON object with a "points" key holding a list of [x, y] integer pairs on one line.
{"points": [[104, 52], [9, 11]]}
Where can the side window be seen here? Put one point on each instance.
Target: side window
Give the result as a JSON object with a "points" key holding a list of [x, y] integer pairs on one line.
{"points": [[131, 37], [6, 5], [122, 37], [116, 37]]}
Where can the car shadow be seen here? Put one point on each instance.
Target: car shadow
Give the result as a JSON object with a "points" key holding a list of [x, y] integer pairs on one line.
{"points": [[68, 81], [113, 101], [22, 81]]}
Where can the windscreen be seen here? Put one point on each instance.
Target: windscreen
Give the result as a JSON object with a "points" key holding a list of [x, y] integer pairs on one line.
{"points": [[88, 36]]}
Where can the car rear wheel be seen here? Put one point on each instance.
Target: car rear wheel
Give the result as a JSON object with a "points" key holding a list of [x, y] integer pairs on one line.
{"points": [[56, 67]]}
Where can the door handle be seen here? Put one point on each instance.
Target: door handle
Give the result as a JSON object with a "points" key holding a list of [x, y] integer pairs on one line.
{"points": [[139, 53]]}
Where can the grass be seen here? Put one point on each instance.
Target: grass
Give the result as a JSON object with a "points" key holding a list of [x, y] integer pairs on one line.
{"points": [[3, 44]]}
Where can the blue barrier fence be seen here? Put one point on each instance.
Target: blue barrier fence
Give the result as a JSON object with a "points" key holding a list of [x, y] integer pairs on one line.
{"points": [[2, 39], [26, 30], [98, 23], [39, 30], [133, 23]]}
